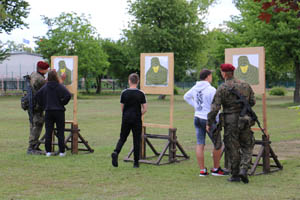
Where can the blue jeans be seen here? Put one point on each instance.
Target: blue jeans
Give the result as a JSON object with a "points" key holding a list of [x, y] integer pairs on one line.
{"points": [[200, 126]]}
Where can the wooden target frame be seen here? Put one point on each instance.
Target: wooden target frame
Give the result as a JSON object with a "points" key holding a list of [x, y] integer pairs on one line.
{"points": [[163, 85], [73, 86], [159, 89], [71, 62], [256, 57]]}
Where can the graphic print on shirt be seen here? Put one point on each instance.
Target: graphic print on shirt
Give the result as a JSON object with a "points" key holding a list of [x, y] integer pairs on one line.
{"points": [[199, 101]]}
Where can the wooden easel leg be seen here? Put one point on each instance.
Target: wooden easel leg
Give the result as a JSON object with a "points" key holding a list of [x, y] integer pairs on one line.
{"points": [[85, 143], [151, 147], [266, 155], [162, 153], [278, 164], [75, 139], [259, 155], [172, 146], [182, 150]]}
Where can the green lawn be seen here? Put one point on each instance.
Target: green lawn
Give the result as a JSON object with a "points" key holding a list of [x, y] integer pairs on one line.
{"points": [[91, 176]]}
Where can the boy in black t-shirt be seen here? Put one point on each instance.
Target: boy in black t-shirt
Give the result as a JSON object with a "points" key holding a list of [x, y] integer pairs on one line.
{"points": [[133, 106]]}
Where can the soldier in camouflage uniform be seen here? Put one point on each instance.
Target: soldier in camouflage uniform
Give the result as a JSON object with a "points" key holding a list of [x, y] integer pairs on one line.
{"points": [[157, 74], [37, 80], [238, 136]]}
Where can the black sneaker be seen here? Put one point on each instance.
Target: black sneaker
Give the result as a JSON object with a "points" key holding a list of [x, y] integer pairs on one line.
{"points": [[114, 157], [136, 164], [219, 172]]}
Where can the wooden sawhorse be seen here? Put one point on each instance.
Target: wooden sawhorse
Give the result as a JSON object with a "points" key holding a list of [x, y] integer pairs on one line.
{"points": [[265, 153], [171, 145], [74, 138]]}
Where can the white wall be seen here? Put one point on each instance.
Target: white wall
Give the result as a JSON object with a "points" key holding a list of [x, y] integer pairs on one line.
{"points": [[18, 65]]}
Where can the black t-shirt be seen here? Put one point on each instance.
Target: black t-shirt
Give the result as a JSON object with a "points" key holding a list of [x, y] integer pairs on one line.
{"points": [[132, 99]]}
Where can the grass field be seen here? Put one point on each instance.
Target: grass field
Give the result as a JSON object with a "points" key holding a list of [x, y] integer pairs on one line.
{"points": [[91, 176]]}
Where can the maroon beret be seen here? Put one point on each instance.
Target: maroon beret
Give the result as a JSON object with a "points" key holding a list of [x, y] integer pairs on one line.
{"points": [[227, 67], [42, 65]]}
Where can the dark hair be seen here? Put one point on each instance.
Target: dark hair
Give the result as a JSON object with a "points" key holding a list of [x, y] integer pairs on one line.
{"points": [[134, 78], [52, 76], [204, 74]]}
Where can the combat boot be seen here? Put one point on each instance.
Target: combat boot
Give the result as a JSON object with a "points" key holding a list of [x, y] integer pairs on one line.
{"points": [[30, 150], [244, 176], [37, 148], [234, 179]]}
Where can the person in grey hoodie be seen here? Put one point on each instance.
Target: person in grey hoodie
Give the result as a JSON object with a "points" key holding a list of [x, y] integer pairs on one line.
{"points": [[53, 97], [200, 96]]}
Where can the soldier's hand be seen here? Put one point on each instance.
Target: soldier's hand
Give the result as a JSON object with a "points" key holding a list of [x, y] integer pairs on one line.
{"points": [[62, 78], [207, 128]]}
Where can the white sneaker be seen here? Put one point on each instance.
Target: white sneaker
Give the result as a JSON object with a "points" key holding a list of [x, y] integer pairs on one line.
{"points": [[62, 154], [48, 154]]}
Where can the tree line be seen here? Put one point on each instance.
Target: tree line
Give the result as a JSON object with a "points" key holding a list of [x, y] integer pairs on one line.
{"points": [[169, 26]]}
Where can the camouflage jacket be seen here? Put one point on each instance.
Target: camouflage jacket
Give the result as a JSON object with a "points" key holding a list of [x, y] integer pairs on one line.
{"points": [[36, 81], [227, 100]]}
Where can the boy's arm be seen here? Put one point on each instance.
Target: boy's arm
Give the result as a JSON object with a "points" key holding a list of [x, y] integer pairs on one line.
{"points": [[122, 107], [188, 97], [144, 108]]}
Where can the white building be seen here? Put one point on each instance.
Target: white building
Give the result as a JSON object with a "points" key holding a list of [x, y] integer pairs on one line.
{"points": [[19, 64]]}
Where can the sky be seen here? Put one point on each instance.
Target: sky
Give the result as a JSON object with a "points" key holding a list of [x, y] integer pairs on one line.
{"points": [[109, 17]]}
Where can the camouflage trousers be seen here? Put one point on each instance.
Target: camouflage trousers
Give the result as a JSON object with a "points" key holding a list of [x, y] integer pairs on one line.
{"points": [[238, 143], [36, 129]]}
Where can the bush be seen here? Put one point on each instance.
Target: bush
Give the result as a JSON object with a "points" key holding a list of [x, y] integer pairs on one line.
{"points": [[176, 90], [278, 91]]}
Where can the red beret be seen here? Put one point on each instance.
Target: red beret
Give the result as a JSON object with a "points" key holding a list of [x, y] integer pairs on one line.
{"points": [[42, 65], [227, 67]]}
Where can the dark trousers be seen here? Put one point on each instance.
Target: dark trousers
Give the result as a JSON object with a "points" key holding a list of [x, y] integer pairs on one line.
{"points": [[57, 117], [136, 128]]}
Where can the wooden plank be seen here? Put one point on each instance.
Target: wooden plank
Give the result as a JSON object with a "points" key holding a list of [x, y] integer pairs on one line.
{"points": [[182, 150], [261, 151], [171, 110], [162, 153], [151, 147], [275, 158], [151, 125], [75, 139]]}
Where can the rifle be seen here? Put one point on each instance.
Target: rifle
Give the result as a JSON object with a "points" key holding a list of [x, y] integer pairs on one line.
{"points": [[215, 134], [246, 108], [28, 99]]}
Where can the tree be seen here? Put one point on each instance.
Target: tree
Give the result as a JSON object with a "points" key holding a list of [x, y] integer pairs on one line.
{"points": [[70, 34], [277, 7], [12, 46], [279, 37], [3, 52], [168, 26], [119, 56], [12, 14]]}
